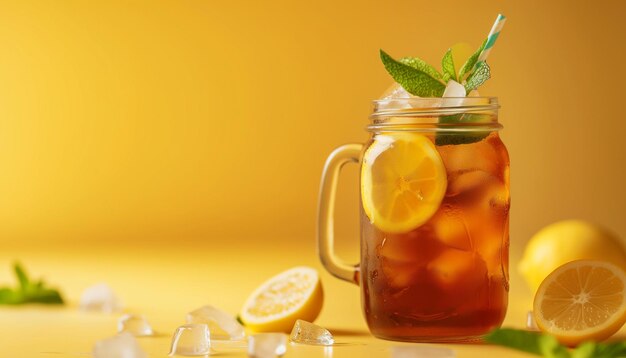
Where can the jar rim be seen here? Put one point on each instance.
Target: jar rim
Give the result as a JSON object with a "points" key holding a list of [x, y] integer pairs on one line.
{"points": [[432, 106], [438, 114]]}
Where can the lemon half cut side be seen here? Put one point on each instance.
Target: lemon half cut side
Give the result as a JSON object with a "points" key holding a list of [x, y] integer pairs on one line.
{"points": [[582, 300], [277, 303]]}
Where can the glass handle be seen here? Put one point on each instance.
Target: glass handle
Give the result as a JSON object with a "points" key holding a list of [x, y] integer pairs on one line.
{"points": [[348, 153]]}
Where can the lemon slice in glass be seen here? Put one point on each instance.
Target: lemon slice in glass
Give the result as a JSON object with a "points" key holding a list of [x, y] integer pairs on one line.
{"points": [[283, 299], [403, 180]]}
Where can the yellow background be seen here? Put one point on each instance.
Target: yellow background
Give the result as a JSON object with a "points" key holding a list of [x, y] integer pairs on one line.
{"points": [[197, 120], [128, 128]]}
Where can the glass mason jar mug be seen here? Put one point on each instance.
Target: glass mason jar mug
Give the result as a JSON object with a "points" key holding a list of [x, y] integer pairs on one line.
{"points": [[434, 184]]}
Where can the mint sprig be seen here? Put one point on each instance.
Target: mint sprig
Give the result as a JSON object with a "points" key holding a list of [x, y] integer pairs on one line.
{"points": [[478, 76], [468, 66], [28, 291], [447, 66], [547, 346], [421, 65], [417, 80]]}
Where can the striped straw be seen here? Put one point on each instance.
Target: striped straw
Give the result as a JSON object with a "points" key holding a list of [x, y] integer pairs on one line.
{"points": [[491, 38]]}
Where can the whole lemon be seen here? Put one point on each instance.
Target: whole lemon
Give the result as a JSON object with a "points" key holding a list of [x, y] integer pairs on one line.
{"points": [[566, 241]]}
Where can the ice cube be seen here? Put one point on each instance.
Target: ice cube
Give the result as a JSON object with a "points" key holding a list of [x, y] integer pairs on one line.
{"points": [[191, 340], [135, 325], [483, 156], [453, 95], [100, 297], [466, 181], [421, 352], [450, 229], [123, 345], [394, 92], [267, 345], [399, 259], [454, 89], [458, 271], [221, 324], [530, 321], [309, 333]]}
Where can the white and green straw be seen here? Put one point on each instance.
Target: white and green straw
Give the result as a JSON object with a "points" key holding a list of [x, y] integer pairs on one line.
{"points": [[492, 37]]}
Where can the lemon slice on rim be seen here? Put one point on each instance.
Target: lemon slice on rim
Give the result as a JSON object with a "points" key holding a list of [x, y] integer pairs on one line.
{"points": [[403, 181], [280, 301], [582, 300]]}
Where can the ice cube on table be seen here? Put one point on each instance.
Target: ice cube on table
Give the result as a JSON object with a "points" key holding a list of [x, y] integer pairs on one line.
{"points": [[309, 333], [530, 321], [191, 340], [100, 297], [267, 345], [123, 345], [221, 324], [421, 352], [136, 325]]}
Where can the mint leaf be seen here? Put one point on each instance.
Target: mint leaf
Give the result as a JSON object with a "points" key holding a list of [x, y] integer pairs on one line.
{"points": [[454, 138], [419, 64], [520, 340], [471, 62], [27, 291], [447, 66], [551, 348], [22, 278], [600, 350], [414, 80], [9, 296], [585, 350], [44, 295], [478, 77]]}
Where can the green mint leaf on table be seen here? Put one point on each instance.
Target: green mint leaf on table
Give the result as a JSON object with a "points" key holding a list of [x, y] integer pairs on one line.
{"points": [[447, 66], [478, 77], [545, 345], [468, 66], [551, 348], [27, 291], [418, 82], [520, 340], [22, 278], [600, 350]]}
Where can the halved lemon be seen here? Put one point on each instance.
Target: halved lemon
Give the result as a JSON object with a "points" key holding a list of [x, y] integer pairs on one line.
{"points": [[403, 181], [582, 300], [280, 301]]}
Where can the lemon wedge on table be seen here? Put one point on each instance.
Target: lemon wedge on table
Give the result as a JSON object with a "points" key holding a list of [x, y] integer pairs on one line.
{"points": [[279, 302], [403, 181], [582, 300]]}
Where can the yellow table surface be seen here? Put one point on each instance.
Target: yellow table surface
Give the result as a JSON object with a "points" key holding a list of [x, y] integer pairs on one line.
{"points": [[164, 283]]}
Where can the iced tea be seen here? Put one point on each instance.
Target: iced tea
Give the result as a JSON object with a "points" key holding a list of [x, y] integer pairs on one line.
{"points": [[447, 279]]}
